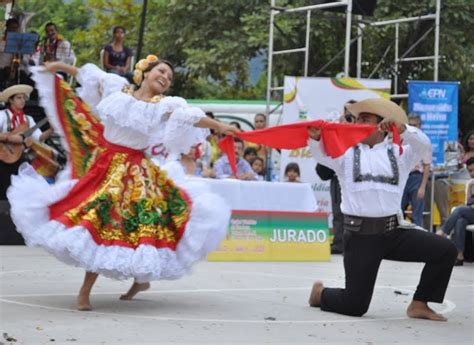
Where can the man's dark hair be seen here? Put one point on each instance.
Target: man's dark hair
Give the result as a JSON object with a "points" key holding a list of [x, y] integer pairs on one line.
{"points": [[50, 24], [210, 114], [11, 21], [238, 140], [470, 161]]}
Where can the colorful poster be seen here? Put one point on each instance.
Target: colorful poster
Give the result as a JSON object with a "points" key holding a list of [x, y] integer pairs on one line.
{"points": [[322, 98], [437, 105], [275, 236]]}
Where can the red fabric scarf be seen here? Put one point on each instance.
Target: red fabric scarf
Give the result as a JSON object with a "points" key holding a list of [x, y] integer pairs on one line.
{"points": [[18, 116], [336, 137]]}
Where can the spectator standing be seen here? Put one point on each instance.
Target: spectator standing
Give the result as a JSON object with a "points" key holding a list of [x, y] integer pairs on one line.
{"points": [[118, 57], [260, 122], [414, 192]]}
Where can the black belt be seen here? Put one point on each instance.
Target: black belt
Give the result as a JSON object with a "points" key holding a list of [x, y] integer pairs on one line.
{"points": [[369, 225]]}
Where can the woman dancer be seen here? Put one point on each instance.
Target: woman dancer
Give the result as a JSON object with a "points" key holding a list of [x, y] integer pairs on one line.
{"points": [[116, 213]]}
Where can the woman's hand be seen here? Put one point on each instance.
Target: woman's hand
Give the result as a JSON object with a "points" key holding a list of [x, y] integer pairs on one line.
{"points": [[54, 67], [227, 129], [59, 66]]}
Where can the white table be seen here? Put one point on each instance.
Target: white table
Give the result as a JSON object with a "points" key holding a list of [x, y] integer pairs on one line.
{"points": [[263, 195]]}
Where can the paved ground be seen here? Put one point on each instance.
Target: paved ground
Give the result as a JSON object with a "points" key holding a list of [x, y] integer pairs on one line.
{"points": [[221, 303]]}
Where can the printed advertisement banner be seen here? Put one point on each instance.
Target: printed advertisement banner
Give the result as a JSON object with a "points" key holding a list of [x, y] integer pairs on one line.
{"points": [[437, 105], [275, 236], [321, 99]]}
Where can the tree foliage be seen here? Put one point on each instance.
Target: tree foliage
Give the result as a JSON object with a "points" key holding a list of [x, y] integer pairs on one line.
{"points": [[211, 42]]}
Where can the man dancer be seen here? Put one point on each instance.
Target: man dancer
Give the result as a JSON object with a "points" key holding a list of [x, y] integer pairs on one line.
{"points": [[373, 175]]}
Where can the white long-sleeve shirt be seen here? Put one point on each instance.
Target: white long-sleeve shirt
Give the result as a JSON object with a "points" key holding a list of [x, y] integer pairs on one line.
{"points": [[372, 179]]}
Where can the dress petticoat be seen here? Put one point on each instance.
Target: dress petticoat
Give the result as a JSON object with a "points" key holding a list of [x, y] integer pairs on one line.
{"points": [[116, 213]]}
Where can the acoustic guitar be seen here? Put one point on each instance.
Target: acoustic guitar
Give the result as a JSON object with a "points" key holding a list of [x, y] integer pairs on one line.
{"points": [[11, 152]]}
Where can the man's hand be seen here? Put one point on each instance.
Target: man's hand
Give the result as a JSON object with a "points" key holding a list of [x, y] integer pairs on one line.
{"points": [[314, 133], [420, 195], [386, 126], [3, 137], [246, 177]]}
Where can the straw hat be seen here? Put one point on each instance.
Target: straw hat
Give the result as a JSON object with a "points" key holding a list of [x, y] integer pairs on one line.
{"points": [[379, 106], [13, 90]]}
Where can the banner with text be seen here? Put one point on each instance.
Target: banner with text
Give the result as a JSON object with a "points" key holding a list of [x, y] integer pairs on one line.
{"points": [[275, 236], [437, 105], [321, 98]]}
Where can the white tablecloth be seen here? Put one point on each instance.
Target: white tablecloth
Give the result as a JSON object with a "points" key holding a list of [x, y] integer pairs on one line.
{"points": [[264, 196]]}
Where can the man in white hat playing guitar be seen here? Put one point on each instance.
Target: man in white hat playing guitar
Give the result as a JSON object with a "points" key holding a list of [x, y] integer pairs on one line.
{"points": [[13, 123], [373, 175]]}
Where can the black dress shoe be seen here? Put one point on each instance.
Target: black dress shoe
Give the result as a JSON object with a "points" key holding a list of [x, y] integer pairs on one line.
{"points": [[459, 262]]}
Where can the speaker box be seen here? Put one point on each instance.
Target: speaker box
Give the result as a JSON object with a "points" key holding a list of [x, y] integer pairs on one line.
{"points": [[8, 234]]}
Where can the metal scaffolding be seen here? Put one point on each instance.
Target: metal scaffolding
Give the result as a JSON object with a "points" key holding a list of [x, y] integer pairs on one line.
{"points": [[398, 59]]}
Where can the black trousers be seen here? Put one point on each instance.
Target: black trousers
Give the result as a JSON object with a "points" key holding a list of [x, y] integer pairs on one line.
{"points": [[364, 253], [338, 216]]}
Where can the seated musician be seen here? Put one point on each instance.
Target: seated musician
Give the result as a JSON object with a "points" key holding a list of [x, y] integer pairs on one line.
{"points": [[6, 59], [13, 124]]}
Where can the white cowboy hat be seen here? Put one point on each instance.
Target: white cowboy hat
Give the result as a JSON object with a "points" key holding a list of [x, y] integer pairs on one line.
{"points": [[13, 90], [379, 106]]}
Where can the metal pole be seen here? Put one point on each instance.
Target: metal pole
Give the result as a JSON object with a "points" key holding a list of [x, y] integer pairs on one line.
{"points": [[397, 39], [348, 37], [436, 46], [269, 86], [433, 175], [270, 62], [306, 54], [142, 29], [360, 27]]}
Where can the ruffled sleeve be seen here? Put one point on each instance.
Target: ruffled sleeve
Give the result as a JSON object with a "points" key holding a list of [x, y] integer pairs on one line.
{"points": [[97, 84], [180, 133]]}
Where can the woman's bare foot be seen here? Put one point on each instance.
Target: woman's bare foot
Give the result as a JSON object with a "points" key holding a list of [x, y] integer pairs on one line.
{"points": [[134, 289], [83, 303], [316, 292], [420, 310]]}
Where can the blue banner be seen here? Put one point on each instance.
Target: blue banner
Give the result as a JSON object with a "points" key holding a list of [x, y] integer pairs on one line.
{"points": [[437, 105]]}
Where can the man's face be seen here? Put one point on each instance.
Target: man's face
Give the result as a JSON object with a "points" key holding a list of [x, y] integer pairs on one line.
{"points": [[414, 123], [51, 32], [470, 169], [18, 101], [238, 149], [370, 119]]}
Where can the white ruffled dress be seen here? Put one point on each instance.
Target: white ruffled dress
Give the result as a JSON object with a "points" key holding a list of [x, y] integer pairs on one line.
{"points": [[113, 211]]}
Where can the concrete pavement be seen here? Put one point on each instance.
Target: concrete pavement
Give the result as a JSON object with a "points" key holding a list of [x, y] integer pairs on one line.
{"points": [[220, 303]]}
